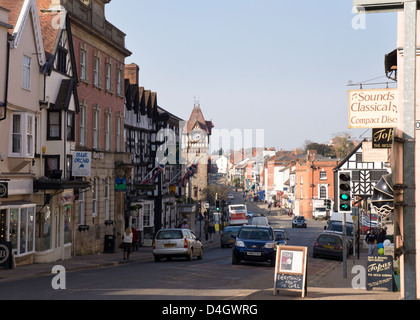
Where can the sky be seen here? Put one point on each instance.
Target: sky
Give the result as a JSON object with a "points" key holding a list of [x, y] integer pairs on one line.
{"points": [[273, 65]]}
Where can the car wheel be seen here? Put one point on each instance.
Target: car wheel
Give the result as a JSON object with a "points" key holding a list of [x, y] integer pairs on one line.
{"points": [[235, 260], [222, 246], [315, 256], [190, 256], [200, 257], [157, 258], [273, 263]]}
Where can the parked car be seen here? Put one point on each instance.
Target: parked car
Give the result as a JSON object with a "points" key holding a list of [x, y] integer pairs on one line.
{"points": [[337, 227], [329, 244], [176, 242], [254, 243], [299, 221], [226, 236], [280, 236], [230, 196], [258, 221]]}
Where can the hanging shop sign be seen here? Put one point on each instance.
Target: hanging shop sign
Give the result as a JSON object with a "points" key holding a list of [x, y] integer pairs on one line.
{"points": [[373, 108], [6, 255], [4, 189], [120, 185], [382, 138], [81, 164]]}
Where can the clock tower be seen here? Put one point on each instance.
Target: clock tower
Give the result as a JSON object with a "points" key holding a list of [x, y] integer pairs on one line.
{"points": [[196, 138]]}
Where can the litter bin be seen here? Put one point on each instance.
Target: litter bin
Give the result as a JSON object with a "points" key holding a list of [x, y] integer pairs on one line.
{"points": [[109, 246]]}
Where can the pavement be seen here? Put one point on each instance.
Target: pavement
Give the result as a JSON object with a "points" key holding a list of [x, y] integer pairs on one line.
{"points": [[324, 283]]}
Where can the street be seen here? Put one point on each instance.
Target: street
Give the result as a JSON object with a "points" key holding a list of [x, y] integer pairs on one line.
{"points": [[213, 278]]}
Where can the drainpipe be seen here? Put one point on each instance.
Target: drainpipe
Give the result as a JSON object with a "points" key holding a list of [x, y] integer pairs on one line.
{"points": [[7, 79]]}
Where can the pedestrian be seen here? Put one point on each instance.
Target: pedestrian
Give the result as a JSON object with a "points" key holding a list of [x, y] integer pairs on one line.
{"points": [[381, 235], [127, 242], [212, 230], [206, 228], [185, 224], [371, 239], [135, 238]]}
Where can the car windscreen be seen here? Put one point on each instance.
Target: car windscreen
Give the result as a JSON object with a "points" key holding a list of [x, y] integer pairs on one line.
{"points": [[279, 234], [169, 234], [338, 227], [299, 218], [255, 234], [327, 238], [231, 229]]}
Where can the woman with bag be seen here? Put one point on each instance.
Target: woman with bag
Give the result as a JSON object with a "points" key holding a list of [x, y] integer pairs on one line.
{"points": [[127, 242]]}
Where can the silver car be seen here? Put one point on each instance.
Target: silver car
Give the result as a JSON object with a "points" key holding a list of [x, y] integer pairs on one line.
{"points": [[176, 242]]}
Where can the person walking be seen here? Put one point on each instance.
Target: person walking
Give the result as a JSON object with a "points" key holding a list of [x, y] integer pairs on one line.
{"points": [[371, 239], [206, 228], [381, 236], [212, 231], [135, 243], [127, 242], [185, 224]]}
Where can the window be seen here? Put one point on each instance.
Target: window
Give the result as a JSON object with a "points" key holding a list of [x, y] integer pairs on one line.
{"points": [[148, 216], [96, 71], [95, 129], [119, 82], [19, 228], [61, 60], [52, 165], [16, 134], [118, 134], [82, 220], [26, 73], [54, 125], [83, 65], [322, 192], [70, 126], [108, 76], [22, 135], [107, 198], [322, 175], [108, 132], [82, 124], [95, 198]]}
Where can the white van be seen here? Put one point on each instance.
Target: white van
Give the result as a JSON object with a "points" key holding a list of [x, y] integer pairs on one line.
{"points": [[258, 221]]}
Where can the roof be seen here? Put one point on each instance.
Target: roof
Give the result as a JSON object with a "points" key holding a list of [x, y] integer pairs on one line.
{"points": [[20, 10], [197, 119]]}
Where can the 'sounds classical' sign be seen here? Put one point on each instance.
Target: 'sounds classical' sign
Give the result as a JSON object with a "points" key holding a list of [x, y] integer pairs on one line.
{"points": [[373, 108]]}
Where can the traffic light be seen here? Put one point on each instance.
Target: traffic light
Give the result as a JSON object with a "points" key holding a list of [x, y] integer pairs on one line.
{"points": [[344, 191], [217, 205], [328, 204]]}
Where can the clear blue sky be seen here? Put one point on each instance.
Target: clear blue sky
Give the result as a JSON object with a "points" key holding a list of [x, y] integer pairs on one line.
{"points": [[281, 66]]}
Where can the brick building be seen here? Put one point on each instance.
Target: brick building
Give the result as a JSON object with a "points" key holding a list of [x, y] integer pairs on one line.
{"points": [[314, 178], [99, 128]]}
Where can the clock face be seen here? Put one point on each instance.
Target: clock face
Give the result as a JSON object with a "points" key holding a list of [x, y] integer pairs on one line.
{"points": [[196, 137]]}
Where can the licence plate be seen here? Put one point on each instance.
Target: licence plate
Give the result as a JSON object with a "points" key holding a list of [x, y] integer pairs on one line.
{"points": [[329, 247], [169, 245], [251, 253]]}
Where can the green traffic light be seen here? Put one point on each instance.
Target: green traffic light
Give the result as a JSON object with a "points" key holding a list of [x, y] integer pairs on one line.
{"points": [[344, 196]]}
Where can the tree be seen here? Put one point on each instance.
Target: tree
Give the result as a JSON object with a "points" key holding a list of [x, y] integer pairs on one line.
{"points": [[342, 144], [323, 149]]}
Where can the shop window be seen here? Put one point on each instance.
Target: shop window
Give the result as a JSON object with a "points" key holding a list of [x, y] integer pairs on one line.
{"points": [[20, 230]]}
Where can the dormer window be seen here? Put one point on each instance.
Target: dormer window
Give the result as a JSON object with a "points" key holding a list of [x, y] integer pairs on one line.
{"points": [[61, 60]]}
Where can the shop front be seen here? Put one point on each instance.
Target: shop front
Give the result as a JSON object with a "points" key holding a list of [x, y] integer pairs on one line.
{"points": [[55, 212], [17, 226]]}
